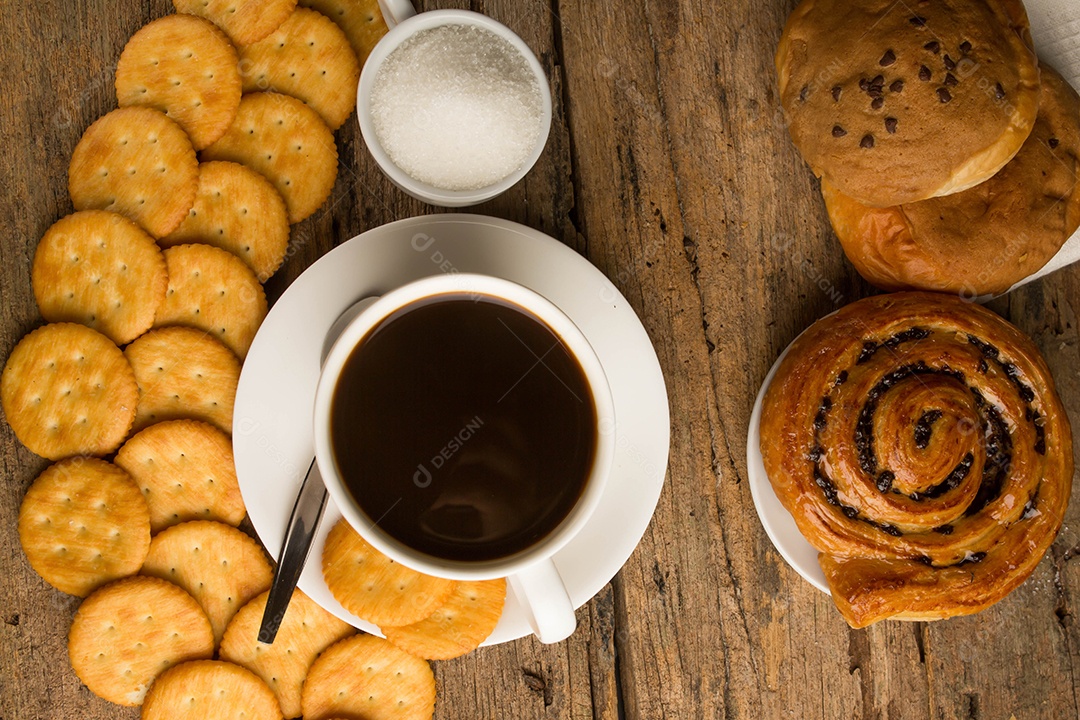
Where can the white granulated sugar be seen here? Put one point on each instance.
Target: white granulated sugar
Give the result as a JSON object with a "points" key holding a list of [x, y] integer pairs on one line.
{"points": [[457, 107]]}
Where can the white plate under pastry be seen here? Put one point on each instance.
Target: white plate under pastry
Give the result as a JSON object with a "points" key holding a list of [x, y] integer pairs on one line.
{"points": [[272, 421], [779, 524]]}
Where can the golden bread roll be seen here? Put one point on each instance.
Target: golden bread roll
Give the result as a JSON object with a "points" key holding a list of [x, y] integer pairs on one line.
{"points": [[894, 103], [983, 240]]}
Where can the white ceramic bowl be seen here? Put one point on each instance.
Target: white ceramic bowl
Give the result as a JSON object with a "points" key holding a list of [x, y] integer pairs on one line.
{"points": [[390, 42]]}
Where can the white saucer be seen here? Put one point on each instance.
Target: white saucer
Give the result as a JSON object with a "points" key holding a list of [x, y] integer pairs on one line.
{"points": [[779, 524], [272, 421]]}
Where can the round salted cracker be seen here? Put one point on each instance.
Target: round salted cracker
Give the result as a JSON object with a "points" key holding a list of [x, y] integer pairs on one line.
{"points": [[209, 690], [68, 390], [310, 58], [372, 586], [183, 373], [238, 210], [288, 143], [186, 67], [458, 626], [213, 290], [244, 21], [361, 20], [894, 102], [367, 677], [217, 564], [82, 524], [128, 632], [138, 162], [186, 472], [304, 632], [102, 270]]}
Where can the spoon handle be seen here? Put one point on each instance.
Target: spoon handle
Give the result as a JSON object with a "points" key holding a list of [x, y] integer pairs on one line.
{"points": [[303, 522]]}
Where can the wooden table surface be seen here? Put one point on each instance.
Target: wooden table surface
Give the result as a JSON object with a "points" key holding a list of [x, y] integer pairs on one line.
{"points": [[670, 169]]}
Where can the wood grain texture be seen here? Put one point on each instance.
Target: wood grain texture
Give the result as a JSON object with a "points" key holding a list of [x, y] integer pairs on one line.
{"points": [[670, 168]]}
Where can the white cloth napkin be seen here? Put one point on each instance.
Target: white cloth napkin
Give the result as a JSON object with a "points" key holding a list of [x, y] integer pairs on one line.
{"points": [[1055, 27]]}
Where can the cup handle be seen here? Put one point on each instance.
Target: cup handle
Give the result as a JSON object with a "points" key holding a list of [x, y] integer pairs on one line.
{"points": [[341, 323], [396, 11], [543, 596]]}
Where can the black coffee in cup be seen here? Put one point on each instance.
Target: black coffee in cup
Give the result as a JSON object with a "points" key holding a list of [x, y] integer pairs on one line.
{"points": [[463, 427]]}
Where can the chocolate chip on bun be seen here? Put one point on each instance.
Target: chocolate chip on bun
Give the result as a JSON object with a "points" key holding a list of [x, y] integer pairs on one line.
{"points": [[896, 102], [983, 240]]}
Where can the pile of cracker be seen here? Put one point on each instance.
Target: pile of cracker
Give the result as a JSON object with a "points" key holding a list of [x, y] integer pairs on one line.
{"points": [[152, 293]]}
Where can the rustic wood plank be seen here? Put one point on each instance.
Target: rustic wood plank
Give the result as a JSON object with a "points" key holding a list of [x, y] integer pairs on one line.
{"points": [[680, 655], [60, 65]]}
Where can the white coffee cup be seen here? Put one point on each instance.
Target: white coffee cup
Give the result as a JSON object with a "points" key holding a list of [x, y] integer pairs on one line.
{"points": [[531, 573], [404, 23]]}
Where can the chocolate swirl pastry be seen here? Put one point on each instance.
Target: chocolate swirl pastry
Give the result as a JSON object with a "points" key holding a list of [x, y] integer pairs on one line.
{"points": [[920, 445]]}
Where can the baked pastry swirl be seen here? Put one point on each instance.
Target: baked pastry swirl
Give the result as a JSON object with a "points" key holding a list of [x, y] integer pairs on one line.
{"points": [[920, 445]]}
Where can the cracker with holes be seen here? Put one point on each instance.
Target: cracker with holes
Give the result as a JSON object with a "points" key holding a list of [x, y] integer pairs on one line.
{"points": [[217, 564], [213, 290], [185, 471], [361, 20], [209, 690], [128, 632], [186, 67], [372, 586], [138, 162], [102, 270], [244, 21], [458, 626], [305, 631], [68, 390], [82, 524], [309, 58], [183, 373], [288, 143], [367, 677], [238, 210]]}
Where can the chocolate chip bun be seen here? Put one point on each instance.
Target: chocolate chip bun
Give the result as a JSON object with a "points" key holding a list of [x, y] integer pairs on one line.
{"points": [[895, 102], [984, 240]]}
